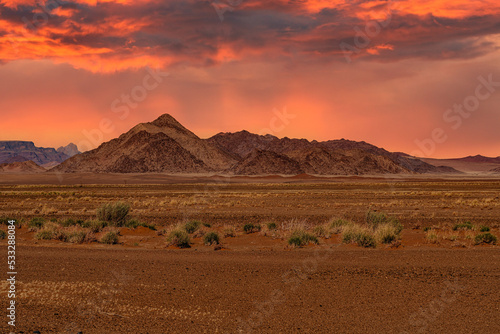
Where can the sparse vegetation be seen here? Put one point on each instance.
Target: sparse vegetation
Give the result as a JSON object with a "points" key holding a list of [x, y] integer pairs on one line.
{"points": [[192, 226], [484, 229], [211, 238], [485, 238], [336, 225], [110, 238], [179, 238], [463, 226], [271, 226], [45, 234], [94, 226], [321, 232], [114, 214], [36, 222], [134, 223], [3, 234], [251, 228], [386, 234], [229, 231], [360, 235], [300, 238]]}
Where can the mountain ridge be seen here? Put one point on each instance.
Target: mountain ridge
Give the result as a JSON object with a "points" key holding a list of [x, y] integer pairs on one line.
{"points": [[166, 146]]}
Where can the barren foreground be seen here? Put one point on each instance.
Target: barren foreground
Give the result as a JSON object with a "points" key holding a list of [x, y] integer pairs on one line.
{"points": [[433, 279], [64, 290]]}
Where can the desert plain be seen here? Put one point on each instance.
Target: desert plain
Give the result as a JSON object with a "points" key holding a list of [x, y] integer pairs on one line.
{"points": [[436, 276]]}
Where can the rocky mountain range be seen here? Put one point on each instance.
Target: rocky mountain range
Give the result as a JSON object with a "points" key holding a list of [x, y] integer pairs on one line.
{"points": [[165, 146], [19, 151]]}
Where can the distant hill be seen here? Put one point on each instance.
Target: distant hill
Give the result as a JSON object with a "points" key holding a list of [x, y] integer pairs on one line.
{"points": [[470, 164], [334, 157], [21, 167], [163, 145], [70, 150], [19, 151]]}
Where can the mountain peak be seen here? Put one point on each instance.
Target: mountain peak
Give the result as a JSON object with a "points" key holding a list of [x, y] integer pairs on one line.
{"points": [[166, 120]]}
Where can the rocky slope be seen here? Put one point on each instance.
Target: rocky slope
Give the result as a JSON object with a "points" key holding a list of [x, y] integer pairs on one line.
{"points": [[18, 151], [163, 145]]}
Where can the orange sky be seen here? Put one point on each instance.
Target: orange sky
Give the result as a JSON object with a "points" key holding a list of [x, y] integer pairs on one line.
{"points": [[68, 66]]}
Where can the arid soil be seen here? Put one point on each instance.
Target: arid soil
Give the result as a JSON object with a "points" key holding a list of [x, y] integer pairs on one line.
{"points": [[118, 290], [257, 283]]}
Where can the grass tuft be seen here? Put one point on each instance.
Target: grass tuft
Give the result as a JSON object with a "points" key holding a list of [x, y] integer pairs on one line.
{"points": [[211, 238], [110, 238], [485, 238], [463, 226], [300, 238], [251, 228], [192, 226], [115, 214], [179, 238]]}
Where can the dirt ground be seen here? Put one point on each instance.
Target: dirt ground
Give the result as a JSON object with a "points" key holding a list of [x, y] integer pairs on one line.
{"points": [[257, 283]]}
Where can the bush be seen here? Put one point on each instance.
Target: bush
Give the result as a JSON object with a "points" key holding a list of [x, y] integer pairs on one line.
{"points": [[78, 237], [114, 213], [211, 238], [110, 238], [486, 238], [463, 226], [387, 233], [207, 225], [45, 235], [367, 241], [271, 226], [229, 232], [68, 222], [337, 225], [179, 238], [321, 232], [251, 228], [95, 226], [300, 238], [36, 222], [484, 229], [357, 234], [134, 223], [192, 226], [3, 234]]}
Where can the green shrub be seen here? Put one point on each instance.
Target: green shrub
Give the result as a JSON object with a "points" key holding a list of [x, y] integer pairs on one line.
{"points": [[300, 238], [115, 214], [251, 228], [359, 235], [367, 241], [486, 238], [387, 233], [484, 229], [211, 238], [179, 238], [95, 226], [45, 235], [3, 234], [207, 225], [192, 226], [271, 226], [427, 228], [110, 238], [78, 237], [463, 226], [68, 222], [36, 222], [134, 223]]}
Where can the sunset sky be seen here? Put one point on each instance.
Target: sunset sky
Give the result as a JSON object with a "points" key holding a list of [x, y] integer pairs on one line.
{"points": [[392, 73]]}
